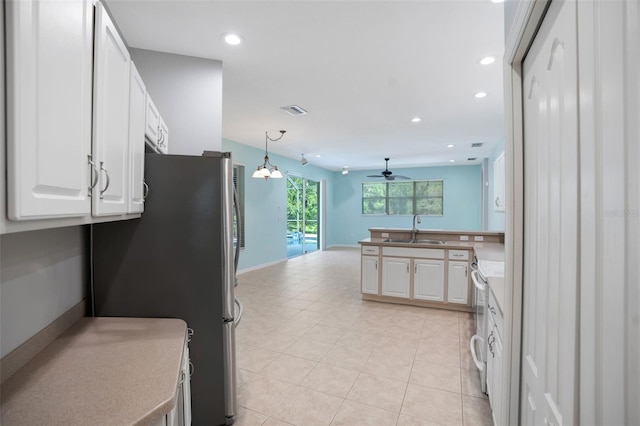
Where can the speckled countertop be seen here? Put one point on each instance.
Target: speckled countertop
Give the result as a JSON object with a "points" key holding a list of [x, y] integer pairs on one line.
{"points": [[102, 371]]}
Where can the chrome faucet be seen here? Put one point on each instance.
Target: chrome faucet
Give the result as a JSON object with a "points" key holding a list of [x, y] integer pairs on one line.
{"points": [[414, 230]]}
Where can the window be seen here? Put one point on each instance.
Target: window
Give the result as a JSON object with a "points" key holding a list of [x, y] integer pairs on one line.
{"points": [[238, 183], [403, 198]]}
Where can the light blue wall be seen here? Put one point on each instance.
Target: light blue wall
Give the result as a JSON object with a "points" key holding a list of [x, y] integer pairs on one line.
{"points": [[462, 203], [496, 220], [266, 204]]}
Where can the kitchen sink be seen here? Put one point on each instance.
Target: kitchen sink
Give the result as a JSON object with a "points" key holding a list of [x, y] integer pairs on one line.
{"points": [[406, 240], [428, 242]]}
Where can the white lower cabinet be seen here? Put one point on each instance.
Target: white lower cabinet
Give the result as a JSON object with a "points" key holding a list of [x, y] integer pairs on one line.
{"points": [[396, 278], [494, 361], [428, 280], [369, 274], [180, 414], [458, 282]]}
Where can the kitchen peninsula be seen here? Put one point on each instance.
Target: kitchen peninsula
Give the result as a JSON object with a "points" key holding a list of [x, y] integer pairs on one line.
{"points": [[430, 268]]}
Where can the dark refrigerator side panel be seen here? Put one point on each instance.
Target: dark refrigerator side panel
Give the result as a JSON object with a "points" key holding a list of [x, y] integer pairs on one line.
{"points": [[169, 264]]}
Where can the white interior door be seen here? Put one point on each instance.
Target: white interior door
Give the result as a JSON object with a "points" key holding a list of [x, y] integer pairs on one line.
{"points": [[548, 394]]}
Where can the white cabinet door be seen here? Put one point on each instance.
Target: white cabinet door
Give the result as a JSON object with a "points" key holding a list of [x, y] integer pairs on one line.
{"points": [[395, 277], [111, 117], [49, 73], [369, 277], [152, 118], [137, 110], [428, 280], [163, 137], [458, 282]]}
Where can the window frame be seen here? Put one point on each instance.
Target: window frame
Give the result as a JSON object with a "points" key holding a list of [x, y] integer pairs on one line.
{"points": [[414, 198]]}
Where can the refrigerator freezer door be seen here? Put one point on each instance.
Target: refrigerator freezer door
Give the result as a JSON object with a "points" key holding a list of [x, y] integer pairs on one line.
{"points": [[230, 398]]}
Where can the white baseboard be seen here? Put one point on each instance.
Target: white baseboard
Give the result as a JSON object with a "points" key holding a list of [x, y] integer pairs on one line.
{"points": [[263, 265]]}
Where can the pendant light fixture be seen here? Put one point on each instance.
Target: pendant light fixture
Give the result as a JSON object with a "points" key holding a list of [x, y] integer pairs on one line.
{"points": [[266, 170]]}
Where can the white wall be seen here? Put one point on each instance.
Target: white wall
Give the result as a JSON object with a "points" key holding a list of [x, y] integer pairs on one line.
{"points": [[43, 274], [188, 93]]}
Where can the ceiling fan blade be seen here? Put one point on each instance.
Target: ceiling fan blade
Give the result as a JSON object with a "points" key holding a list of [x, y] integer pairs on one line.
{"points": [[389, 177], [402, 177]]}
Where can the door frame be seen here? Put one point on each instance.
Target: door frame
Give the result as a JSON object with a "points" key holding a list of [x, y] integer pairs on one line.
{"points": [[321, 207], [527, 20]]}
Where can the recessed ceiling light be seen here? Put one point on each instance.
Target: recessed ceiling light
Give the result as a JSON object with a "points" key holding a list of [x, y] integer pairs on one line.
{"points": [[450, 145], [481, 95], [232, 38], [497, 1], [416, 119], [487, 60], [318, 156], [452, 161]]}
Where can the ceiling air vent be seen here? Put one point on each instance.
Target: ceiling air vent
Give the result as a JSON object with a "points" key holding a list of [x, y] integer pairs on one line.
{"points": [[471, 159], [294, 110], [477, 145]]}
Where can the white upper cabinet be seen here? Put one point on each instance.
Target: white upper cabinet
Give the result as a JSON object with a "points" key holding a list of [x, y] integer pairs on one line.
{"points": [[111, 117], [48, 108], [163, 137], [137, 109], [152, 128]]}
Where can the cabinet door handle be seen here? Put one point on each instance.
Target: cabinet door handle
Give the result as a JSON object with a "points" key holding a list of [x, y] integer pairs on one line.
{"points": [[146, 190], [191, 368], [94, 174], [415, 269], [497, 201], [376, 265], [407, 268], [466, 268], [106, 173]]}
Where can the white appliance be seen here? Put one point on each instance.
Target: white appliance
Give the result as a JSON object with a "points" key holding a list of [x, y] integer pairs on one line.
{"points": [[478, 341]]}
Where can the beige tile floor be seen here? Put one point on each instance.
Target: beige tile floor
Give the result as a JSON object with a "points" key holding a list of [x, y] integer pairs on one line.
{"points": [[310, 352]]}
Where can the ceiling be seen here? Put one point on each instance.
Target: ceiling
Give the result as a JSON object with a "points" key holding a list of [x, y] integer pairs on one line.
{"points": [[362, 70]]}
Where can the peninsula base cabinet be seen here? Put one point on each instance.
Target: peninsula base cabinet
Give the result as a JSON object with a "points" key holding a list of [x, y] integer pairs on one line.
{"points": [[396, 279], [458, 282], [369, 275], [420, 276], [428, 280]]}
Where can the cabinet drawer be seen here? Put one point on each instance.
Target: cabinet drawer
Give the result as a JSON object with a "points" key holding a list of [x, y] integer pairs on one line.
{"points": [[370, 250], [413, 252], [459, 254]]}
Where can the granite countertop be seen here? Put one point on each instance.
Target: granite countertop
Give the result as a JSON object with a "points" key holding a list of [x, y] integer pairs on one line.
{"points": [[439, 231], [102, 371]]}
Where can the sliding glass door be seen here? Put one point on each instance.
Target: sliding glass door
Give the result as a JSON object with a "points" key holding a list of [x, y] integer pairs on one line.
{"points": [[303, 207]]}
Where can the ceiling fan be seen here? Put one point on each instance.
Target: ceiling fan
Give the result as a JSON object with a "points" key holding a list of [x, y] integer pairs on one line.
{"points": [[387, 174]]}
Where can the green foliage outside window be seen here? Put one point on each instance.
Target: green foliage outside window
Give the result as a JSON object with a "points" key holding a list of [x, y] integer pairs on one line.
{"points": [[403, 198]]}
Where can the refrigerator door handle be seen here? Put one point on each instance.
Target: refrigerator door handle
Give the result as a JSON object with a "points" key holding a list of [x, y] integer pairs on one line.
{"points": [[239, 311], [228, 296], [229, 371], [236, 206]]}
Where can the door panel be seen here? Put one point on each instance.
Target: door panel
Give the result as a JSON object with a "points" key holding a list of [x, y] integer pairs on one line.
{"points": [[551, 202], [49, 108]]}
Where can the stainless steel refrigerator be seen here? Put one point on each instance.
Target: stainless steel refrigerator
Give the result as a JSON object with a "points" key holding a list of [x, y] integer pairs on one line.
{"points": [[177, 261]]}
